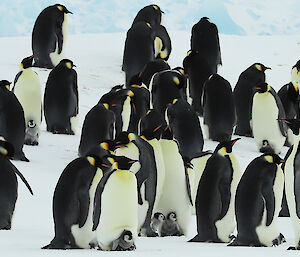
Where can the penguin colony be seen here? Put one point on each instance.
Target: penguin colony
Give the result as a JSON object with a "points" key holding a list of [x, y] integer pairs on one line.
{"points": [[141, 169]]}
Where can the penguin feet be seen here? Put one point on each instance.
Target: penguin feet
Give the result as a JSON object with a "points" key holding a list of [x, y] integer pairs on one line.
{"points": [[237, 242], [293, 248], [63, 131], [60, 244], [29, 142], [279, 240]]}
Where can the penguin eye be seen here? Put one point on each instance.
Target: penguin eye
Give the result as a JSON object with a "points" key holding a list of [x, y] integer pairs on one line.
{"points": [[161, 217]]}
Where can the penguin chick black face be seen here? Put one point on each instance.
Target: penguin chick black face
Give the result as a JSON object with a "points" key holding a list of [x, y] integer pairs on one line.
{"points": [[172, 216], [293, 124], [159, 216], [124, 163], [5, 83], [27, 62], [62, 8], [261, 67], [225, 147], [262, 88], [68, 63], [273, 158]]}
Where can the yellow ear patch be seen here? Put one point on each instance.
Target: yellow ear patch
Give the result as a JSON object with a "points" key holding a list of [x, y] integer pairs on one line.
{"points": [[268, 88], [115, 165], [258, 66], [149, 25], [188, 53], [3, 151], [106, 106], [69, 65], [174, 101], [176, 80], [223, 151], [156, 7], [111, 160], [143, 137], [130, 93], [148, 112], [8, 87], [60, 8], [131, 136], [104, 145], [91, 160], [269, 158]]}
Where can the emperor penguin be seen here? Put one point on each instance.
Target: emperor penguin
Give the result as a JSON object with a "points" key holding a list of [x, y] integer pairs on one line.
{"points": [[8, 184], [98, 126], [164, 87], [139, 49], [12, 121], [185, 125], [197, 71], [27, 88], [150, 13], [216, 195], [258, 201], [219, 115], [61, 99], [115, 216], [151, 128], [243, 95], [269, 133], [134, 147], [49, 36], [176, 195], [73, 202], [291, 173], [205, 40]]}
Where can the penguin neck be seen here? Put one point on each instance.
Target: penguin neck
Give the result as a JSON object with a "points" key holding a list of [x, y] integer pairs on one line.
{"points": [[296, 143]]}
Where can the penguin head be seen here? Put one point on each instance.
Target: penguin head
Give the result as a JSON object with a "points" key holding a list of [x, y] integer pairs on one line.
{"points": [[272, 158], [205, 19], [293, 124], [295, 76], [123, 162], [62, 8], [172, 216], [66, 63], [6, 148], [159, 216], [180, 69], [98, 162], [5, 84], [157, 8], [262, 88], [261, 67], [108, 145], [124, 138], [152, 125], [27, 62], [225, 147]]}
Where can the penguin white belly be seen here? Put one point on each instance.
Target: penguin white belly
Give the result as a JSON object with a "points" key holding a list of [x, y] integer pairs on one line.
{"points": [[84, 235], [55, 56], [226, 225], [265, 123], [126, 112], [28, 92], [266, 234], [174, 197], [160, 166], [118, 208], [290, 190]]}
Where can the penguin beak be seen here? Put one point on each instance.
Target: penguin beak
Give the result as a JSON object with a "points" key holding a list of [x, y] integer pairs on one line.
{"points": [[258, 88], [74, 65], [267, 68], [285, 121], [234, 141], [132, 161], [282, 161], [67, 11], [157, 128]]}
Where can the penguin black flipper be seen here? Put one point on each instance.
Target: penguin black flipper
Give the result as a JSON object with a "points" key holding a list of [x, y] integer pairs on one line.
{"points": [[225, 194], [22, 178], [281, 113], [84, 201], [297, 193], [188, 186], [97, 199], [60, 39], [75, 89], [268, 195], [16, 80]]}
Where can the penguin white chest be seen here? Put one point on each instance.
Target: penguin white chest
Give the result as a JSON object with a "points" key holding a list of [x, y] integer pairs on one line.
{"points": [[126, 112]]}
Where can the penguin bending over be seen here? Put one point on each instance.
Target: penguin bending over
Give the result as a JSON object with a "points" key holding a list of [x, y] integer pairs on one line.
{"points": [[216, 195], [150, 13], [258, 201], [27, 88], [269, 133], [61, 99], [49, 36]]}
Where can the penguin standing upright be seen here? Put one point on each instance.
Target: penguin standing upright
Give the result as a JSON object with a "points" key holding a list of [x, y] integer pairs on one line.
{"points": [[243, 96], [215, 195], [150, 13], [219, 115], [73, 201], [176, 197], [12, 121], [258, 201], [8, 184], [61, 99], [197, 71], [98, 125], [205, 40], [291, 170], [139, 49], [27, 88], [134, 147], [185, 125], [269, 133], [49, 36], [115, 216], [164, 88]]}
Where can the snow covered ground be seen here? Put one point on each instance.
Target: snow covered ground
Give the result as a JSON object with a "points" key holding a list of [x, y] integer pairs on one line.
{"points": [[98, 59]]}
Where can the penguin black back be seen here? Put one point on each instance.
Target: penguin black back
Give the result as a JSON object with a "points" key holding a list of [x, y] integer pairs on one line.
{"points": [[150, 13]]}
